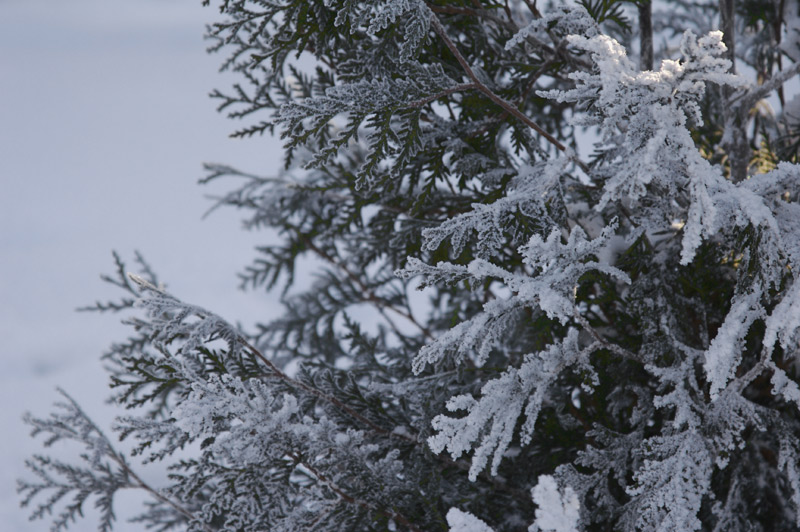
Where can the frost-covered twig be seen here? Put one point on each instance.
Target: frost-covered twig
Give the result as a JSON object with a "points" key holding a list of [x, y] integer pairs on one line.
{"points": [[99, 479], [746, 100], [219, 326], [344, 496]]}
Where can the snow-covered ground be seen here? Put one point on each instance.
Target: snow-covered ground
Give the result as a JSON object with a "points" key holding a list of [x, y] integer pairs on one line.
{"points": [[104, 124]]}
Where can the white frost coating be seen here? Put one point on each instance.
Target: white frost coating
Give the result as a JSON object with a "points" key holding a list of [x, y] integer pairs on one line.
{"points": [[556, 512], [492, 419], [475, 336], [376, 16], [246, 424], [784, 321], [555, 268], [526, 194], [459, 521], [251, 411], [561, 266], [183, 326], [783, 385], [564, 19], [669, 488], [679, 395], [785, 244], [782, 326], [787, 461], [725, 352], [654, 107]]}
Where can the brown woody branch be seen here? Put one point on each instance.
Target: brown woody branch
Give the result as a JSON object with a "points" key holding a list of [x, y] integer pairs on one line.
{"points": [[489, 93]]}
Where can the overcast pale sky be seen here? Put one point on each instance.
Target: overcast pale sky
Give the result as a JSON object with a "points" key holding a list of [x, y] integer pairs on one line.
{"points": [[104, 125]]}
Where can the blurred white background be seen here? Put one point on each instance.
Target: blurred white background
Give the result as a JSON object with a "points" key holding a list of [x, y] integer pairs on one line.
{"points": [[105, 122]]}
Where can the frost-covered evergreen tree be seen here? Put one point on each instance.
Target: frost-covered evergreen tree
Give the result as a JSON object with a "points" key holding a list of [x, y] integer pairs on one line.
{"points": [[601, 201]]}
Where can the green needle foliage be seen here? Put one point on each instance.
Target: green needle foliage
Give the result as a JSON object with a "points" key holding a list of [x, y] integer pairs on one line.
{"points": [[608, 253]]}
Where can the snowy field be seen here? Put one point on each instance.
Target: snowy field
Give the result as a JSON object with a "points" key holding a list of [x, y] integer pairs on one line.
{"points": [[104, 124]]}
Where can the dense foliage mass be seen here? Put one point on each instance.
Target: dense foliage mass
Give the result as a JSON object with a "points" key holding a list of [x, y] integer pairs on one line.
{"points": [[600, 200]]}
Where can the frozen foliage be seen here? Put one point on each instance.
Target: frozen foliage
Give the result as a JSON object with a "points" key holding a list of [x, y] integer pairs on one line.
{"points": [[604, 341], [171, 321], [669, 488], [101, 474], [463, 522], [501, 404], [556, 512], [372, 17], [564, 20], [373, 101], [555, 268], [724, 354], [527, 193], [656, 149]]}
